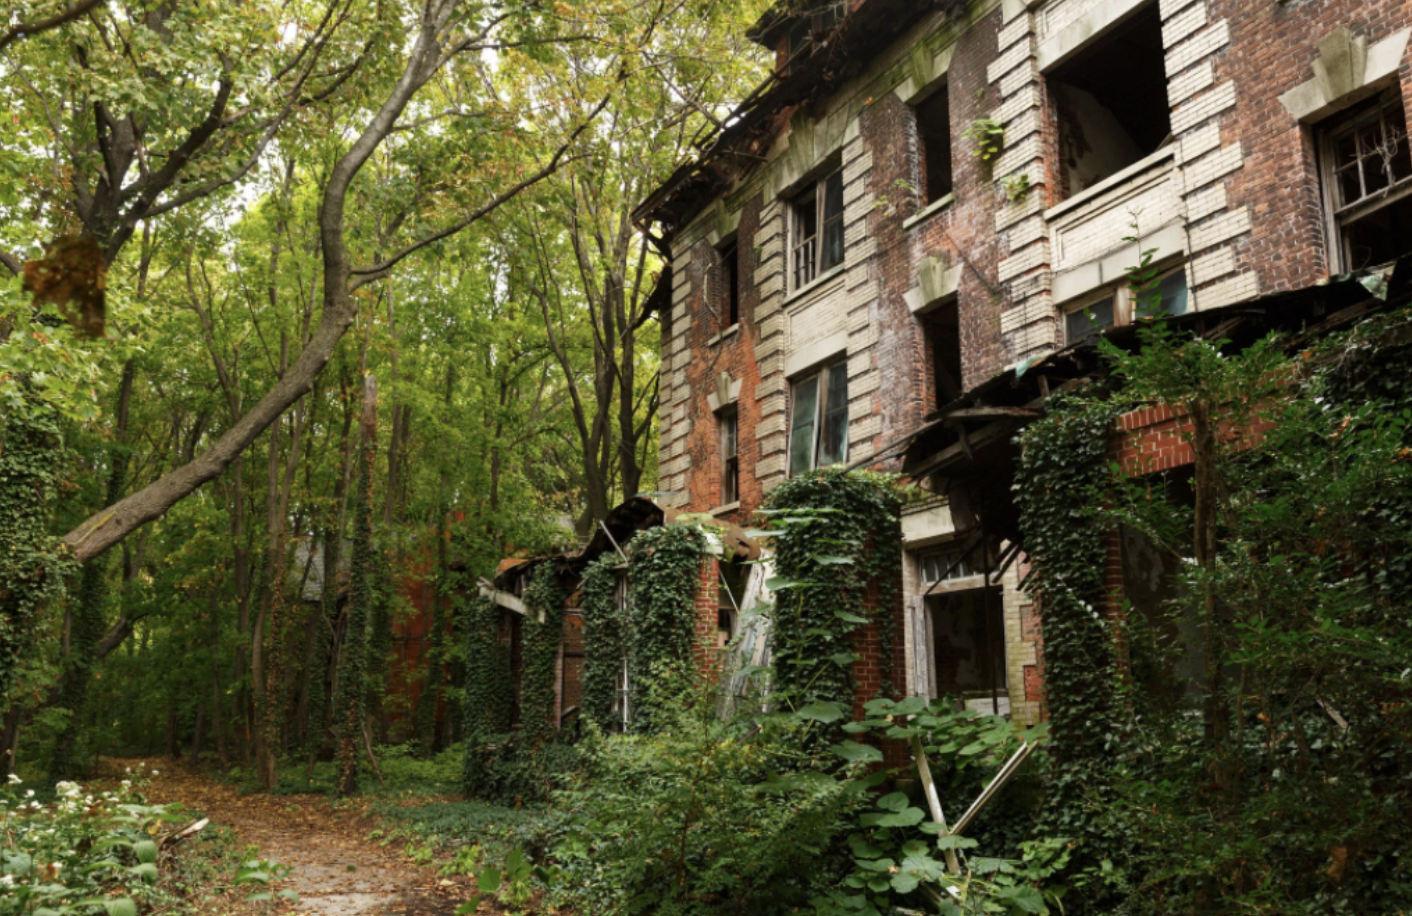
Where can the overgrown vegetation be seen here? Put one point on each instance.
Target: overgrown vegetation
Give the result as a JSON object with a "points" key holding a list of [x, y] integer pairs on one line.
{"points": [[838, 556]]}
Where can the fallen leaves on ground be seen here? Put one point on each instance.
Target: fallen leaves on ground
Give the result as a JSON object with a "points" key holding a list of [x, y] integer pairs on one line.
{"points": [[337, 871]]}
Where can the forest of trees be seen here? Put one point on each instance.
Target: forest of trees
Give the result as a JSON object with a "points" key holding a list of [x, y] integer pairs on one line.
{"points": [[287, 282]]}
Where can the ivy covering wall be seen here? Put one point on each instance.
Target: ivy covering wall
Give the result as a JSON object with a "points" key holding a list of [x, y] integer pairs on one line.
{"points": [[543, 633], [33, 563], [838, 563], [664, 573]]}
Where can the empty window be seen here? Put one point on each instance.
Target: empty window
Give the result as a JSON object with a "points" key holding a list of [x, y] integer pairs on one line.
{"points": [[1368, 171], [817, 229], [941, 327], [968, 648], [818, 433], [934, 134], [730, 459], [728, 294], [1168, 295], [730, 592], [1111, 103]]}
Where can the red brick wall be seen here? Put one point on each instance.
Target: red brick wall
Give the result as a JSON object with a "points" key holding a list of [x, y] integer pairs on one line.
{"points": [[1271, 50]]}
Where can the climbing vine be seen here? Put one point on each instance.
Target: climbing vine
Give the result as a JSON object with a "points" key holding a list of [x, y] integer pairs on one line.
{"points": [[1060, 491], [603, 634], [838, 559], [543, 632], [486, 702], [665, 573], [33, 563], [352, 672]]}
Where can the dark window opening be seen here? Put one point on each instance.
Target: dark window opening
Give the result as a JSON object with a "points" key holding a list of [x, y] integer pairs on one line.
{"points": [[730, 459], [1368, 169], [934, 134], [730, 281], [818, 434], [817, 230], [730, 592], [811, 31], [968, 647], [942, 328], [1111, 103]]}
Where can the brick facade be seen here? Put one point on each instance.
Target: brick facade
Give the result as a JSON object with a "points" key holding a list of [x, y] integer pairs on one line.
{"points": [[1233, 198]]}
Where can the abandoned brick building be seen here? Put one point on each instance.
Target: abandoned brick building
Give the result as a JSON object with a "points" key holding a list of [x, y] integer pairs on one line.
{"points": [[896, 245]]}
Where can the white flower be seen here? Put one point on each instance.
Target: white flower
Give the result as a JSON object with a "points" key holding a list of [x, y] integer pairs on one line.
{"points": [[67, 789], [156, 772], [15, 780], [7, 879], [29, 793]]}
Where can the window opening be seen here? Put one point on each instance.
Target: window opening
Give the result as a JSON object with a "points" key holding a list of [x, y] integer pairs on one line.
{"points": [[1368, 170], [942, 329], [1111, 103], [730, 458], [968, 651], [819, 424], [730, 591], [933, 116], [729, 294], [1118, 307], [817, 230], [934, 565]]}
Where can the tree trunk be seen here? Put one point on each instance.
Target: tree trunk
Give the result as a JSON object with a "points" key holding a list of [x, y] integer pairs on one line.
{"points": [[351, 681]]}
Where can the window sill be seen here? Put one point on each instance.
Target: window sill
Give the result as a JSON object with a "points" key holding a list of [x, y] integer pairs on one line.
{"points": [[936, 206], [1111, 182], [820, 280], [722, 510], [723, 335]]}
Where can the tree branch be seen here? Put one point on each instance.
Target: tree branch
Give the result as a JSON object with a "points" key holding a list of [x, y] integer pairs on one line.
{"points": [[30, 29]]}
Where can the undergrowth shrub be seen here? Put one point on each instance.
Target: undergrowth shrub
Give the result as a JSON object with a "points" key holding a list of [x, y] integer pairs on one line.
{"points": [[702, 816]]}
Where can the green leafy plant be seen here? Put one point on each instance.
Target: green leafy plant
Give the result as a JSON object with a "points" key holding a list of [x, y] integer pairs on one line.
{"points": [[989, 137], [837, 544], [264, 874], [1017, 187]]}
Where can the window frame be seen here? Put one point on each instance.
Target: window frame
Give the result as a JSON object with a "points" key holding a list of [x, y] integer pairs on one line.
{"points": [[942, 91], [1124, 310], [725, 293], [822, 377], [730, 458], [806, 266], [1340, 217]]}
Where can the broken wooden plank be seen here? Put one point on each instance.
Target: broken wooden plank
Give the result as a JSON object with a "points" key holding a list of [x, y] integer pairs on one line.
{"points": [[505, 600], [924, 772]]}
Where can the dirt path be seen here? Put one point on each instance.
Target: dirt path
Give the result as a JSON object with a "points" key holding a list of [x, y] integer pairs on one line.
{"points": [[337, 871]]}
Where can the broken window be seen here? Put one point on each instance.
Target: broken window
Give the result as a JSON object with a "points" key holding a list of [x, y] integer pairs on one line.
{"points": [[968, 648], [730, 591], [730, 458], [818, 433], [810, 32], [1119, 307], [1368, 173], [1111, 103], [933, 116], [942, 328], [816, 229], [728, 291]]}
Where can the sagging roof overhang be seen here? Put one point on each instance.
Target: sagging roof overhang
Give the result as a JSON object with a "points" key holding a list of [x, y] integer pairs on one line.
{"points": [[967, 449], [734, 150], [612, 534]]}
